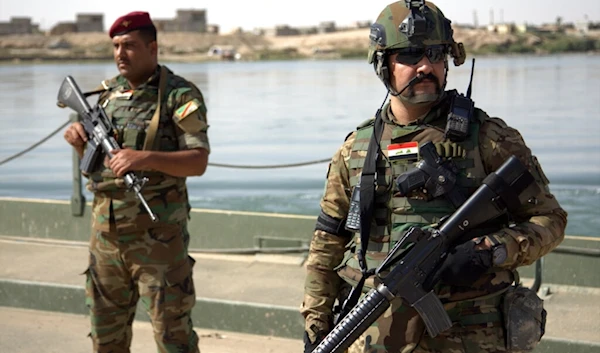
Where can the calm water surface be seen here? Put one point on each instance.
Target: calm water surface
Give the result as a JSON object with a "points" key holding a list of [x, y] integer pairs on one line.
{"points": [[271, 113]]}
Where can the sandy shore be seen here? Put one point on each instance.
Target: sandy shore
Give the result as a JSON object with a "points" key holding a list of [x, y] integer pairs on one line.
{"points": [[192, 47]]}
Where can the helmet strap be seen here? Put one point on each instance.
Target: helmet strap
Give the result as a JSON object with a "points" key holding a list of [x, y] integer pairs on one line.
{"points": [[383, 72]]}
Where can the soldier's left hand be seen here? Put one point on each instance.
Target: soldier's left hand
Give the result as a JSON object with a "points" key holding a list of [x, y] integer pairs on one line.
{"points": [[464, 264], [125, 160]]}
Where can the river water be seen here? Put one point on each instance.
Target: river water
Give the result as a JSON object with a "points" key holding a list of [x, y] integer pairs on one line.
{"points": [[273, 113]]}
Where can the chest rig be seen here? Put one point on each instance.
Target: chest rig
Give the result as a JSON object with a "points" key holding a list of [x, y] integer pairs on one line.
{"points": [[131, 112], [393, 212]]}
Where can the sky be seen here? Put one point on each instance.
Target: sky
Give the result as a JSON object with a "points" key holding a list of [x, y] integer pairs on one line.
{"points": [[267, 13]]}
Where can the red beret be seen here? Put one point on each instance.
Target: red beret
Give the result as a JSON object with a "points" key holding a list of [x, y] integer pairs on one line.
{"points": [[130, 22]]}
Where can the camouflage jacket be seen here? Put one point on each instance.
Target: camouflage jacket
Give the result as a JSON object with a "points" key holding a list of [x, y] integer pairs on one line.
{"points": [[182, 125], [540, 228]]}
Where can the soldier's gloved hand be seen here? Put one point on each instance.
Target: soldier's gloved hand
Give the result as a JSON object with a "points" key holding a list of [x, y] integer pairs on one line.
{"points": [[464, 265], [310, 346]]}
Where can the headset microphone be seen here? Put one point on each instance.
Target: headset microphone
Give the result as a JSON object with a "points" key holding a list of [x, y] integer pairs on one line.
{"points": [[420, 76]]}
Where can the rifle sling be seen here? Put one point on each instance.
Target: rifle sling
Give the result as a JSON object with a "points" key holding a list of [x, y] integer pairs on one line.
{"points": [[367, 190], [367, 203], [153, 127]]}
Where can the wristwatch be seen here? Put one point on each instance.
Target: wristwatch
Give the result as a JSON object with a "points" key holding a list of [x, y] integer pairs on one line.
{"points": [[499, 253]]}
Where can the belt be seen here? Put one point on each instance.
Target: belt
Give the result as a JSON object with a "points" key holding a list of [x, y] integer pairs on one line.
{"points": [[468, 312]]}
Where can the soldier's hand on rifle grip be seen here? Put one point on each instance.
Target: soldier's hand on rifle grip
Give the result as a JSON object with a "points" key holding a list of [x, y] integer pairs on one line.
{"points": [[125, 160], [464, 264], [310, 346], [75, 135]]}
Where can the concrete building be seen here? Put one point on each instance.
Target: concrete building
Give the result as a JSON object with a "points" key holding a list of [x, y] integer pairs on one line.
{"points": [[281, 30], [191, 20], [214, 29], [502, 28], [92, 22], [525, 28], [185, 21], [308, 30], [84, 23], [327, 27], [18, 25]]}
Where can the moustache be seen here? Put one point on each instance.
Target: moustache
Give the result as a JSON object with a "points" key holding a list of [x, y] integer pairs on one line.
{"points": [[425, 77]]}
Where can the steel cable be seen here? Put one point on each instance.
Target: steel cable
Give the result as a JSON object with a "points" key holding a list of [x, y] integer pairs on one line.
{"points": [[17, 155], [219, 165]]}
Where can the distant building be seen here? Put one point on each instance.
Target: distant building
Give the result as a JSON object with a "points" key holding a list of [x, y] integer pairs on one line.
{"points": [[92, 22], [583, 27], [308, 30], [281, 30], [327, 27], [502, 28], [84, 23], [214, 29], [18, 25], [191, 20], [185, 21]]}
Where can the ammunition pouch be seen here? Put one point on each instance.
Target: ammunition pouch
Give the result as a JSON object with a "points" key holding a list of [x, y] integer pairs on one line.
{"points": [[133, 136], [524, 319], [479, 311]]}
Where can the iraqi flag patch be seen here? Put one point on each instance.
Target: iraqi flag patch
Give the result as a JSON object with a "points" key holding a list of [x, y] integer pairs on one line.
{"points": [[187, 109], [406, 150]]}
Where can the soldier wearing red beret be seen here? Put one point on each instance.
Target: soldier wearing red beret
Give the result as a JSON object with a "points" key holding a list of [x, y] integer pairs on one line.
{"points": [[130, 22], [161, 126]]}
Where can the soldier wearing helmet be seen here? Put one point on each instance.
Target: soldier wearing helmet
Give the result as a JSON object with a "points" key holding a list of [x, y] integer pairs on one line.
{"points": [[411, 42]]}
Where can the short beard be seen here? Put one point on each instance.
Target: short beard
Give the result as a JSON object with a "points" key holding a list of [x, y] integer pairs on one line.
{"points": [[421, 99]]}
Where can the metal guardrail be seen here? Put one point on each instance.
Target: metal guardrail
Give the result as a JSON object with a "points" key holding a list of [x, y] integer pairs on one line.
{"points": [[78, 202], [573, 250]]}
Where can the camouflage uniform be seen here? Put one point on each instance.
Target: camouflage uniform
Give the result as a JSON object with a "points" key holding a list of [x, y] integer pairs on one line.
{"points": [[131, 257], [474, 310], [412, 29]]}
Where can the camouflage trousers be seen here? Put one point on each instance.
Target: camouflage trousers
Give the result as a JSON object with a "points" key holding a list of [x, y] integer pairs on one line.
{"points": [[400, 330], [150, 266]]}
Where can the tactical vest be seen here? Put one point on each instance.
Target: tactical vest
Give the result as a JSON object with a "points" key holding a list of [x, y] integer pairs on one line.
{"points": [[394, 215], [131, 112]]}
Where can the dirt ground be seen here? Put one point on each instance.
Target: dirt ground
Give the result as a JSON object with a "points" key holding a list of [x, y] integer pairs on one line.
{"points": [[32, 331], [191, 47], [195, 46]]}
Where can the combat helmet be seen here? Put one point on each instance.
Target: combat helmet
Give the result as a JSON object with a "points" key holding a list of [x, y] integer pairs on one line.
{"points": [[410, 24]]}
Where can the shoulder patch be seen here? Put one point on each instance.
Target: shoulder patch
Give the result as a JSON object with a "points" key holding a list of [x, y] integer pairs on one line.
{"points": [[187, 109]]}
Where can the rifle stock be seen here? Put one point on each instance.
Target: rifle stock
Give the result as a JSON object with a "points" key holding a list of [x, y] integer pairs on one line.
{"points": [[101, 141], [501, 190]]}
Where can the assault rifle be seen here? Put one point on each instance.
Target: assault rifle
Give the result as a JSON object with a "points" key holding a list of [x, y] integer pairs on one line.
{"points": [[101, 141], [419, 253]]}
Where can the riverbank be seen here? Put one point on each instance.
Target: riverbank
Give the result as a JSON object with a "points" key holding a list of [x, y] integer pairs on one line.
{"points": [[197, 47]]}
